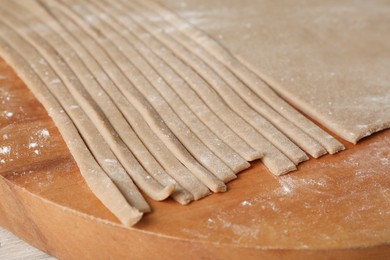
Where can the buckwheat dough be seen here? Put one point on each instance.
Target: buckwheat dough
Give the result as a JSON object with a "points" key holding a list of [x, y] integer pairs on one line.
{"points": [[275, 161], [293, 152], [84, 113], [182, 90], [181, 130], [251, 79], [98, 181], [331, 61], [306, 142], [224, 152], [114, 121], [180, 173], [143, 106]]}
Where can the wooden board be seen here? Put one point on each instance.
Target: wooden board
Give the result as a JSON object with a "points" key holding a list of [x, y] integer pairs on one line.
{"points": [[335, 206]]}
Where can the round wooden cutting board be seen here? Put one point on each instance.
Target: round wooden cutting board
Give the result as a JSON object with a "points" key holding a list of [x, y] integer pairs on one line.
{"points": [[335, 206]]}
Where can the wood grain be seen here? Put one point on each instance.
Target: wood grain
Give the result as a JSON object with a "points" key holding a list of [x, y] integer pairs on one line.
{"points": [[335, 206]]}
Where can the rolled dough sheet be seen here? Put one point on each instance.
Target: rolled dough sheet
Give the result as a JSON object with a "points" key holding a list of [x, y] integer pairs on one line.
{"points": [[328, 58]]}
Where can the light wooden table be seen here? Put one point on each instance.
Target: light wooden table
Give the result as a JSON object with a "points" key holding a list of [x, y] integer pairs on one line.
{"points": [[13, 248]]}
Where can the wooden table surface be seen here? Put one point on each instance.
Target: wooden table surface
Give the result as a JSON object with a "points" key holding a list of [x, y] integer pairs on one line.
{"points": [[335, 206]]}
